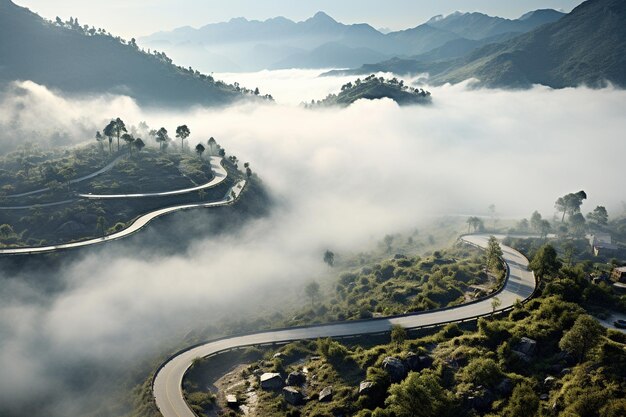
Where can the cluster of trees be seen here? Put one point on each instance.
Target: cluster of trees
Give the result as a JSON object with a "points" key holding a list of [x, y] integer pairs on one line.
{"points": [[394, 82]]}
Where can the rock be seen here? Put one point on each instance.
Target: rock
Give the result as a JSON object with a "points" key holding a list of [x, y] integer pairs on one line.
{"points": [[522, 356], [526, 346], [365, 387], [505, 387], [231, 401], [278, 355], [296, 379], [326, 394], [549, 381], [412, 362], [292, 395], [566, 371], [395, 368], [480, 399], [271, 381], [425, 362], [544, 397]]}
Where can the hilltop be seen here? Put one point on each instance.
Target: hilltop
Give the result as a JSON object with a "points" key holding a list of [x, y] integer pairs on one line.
{"points": [[72, 58]]}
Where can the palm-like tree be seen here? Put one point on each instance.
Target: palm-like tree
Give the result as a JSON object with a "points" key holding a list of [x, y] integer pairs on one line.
{"points": [[119, 129], [183, 133], [100, 139]]}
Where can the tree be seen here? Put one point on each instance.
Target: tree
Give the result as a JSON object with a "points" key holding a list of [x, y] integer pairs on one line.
{"points": [[578, 223], [582, 337], [129, 139], [201, 195], [495, 304], [162, 138], [544, 228], [570, 203], [6, 231], [475, 223], [109, 132], [200, 149], [68, 173], [419, 395], [599, 216], [493, 255], [329, 258], [212, 144], [523, 403], [398, 334], [222, 152], [535, 221], [139, 144], [119, 128], [100, 140], [388, 239], [312, 291], [545, 262], [183, 133], [248, 170]]}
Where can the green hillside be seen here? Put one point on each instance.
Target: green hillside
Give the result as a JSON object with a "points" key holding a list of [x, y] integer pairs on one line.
{"points": [[77, 59]]}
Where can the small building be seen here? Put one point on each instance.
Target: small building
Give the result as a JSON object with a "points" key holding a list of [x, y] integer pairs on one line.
{"points": [[619, 274], [602, 244]]}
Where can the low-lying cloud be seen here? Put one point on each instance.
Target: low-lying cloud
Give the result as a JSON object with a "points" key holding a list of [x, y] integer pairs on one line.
{"points": [[341, 178]]}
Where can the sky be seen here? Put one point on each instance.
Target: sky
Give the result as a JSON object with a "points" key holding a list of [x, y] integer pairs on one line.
{"points": [[134, 18]]}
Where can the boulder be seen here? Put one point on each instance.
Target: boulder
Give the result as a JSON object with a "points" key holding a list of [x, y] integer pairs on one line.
{"points": [[292, 395], [412, 362], [296, 379], [278, 355], [524, 357], [231, 401], [480, 399], [526, 346], [544, 397], [326, 394], [271, 381], [395, 368], [365, 387], [425, 362]]}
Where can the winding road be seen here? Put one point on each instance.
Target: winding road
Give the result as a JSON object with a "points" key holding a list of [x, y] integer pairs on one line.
{"points": [[219, 175], [102, 170], [231, 196], [167, 384]]}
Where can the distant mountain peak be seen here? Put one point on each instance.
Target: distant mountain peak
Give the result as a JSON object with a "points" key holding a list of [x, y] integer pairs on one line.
{"points": [[323, 17]]}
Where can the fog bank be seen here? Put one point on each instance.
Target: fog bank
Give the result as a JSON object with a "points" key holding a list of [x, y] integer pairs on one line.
{"points": [[341, 178]]}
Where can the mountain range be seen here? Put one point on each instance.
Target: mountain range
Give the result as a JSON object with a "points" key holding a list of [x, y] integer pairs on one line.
{"points": [[76, 59], [585, 47], [322, 42]]}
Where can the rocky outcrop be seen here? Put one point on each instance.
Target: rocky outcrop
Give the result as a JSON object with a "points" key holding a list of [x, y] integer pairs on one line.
{"points": [[271, 381], [296, 379], [293, 396], [526, 346], [365, 387], [326, 394], [395, 368]]}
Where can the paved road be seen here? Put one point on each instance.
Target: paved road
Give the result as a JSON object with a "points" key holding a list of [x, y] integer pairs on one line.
{"points": [[167, 386], [137, 225], [219, 173], [75, 180]]}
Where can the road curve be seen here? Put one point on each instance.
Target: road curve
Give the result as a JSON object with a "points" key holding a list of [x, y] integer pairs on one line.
{"points": [[219, 175], [137, 225], [74, 181], [167, 384]]}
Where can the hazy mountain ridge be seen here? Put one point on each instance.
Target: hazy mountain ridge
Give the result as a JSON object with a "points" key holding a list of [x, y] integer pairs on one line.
{"points": [[73, 61], [587, 46], [235, 45]]}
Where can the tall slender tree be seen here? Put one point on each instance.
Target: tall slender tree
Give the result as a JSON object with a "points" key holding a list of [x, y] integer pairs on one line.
{"points": [[129, 139], [109, 132], [162, 137], [119, 129], [200, 149], [212, 144], [182, 132]]}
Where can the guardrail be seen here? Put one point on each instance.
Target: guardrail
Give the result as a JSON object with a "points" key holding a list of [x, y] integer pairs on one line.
{"points": [[417, 327]]}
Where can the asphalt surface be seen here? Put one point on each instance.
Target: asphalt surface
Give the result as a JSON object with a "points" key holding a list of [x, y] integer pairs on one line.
{"points": [[167, 386], [137, 225], [219, 175]]}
